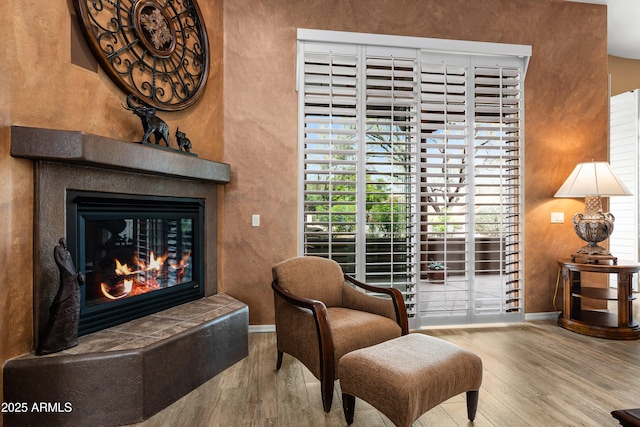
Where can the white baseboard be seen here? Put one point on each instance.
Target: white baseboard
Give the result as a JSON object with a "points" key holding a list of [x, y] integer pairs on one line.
{"points": [[549, 315], [261, 328]]}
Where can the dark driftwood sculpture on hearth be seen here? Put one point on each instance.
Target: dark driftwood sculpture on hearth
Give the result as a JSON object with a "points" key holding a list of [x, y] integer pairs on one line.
{"points": [[61, 331]]}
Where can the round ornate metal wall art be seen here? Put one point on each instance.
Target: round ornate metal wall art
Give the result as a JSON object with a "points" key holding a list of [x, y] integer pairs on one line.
{"points": [[157, 50]]}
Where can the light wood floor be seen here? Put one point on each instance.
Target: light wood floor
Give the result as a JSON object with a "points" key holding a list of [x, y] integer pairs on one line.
{"points": [[535, 374]]}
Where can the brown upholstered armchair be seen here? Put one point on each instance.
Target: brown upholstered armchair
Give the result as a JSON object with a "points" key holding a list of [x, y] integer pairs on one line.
{"points": [[320, 317]]}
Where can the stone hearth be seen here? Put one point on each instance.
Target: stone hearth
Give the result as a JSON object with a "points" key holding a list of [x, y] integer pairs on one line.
{"points": [[125, 374]]}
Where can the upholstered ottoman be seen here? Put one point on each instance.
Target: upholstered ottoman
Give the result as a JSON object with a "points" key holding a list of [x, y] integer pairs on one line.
{"points": [[405, 377]]}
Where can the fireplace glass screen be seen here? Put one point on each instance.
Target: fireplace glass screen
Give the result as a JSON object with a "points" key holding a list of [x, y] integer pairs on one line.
{"points": [[138, 255], [132, 256]]}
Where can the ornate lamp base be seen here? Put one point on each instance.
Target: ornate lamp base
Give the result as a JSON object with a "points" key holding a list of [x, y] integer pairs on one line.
{"points": [[593, 249], [593, 226]]}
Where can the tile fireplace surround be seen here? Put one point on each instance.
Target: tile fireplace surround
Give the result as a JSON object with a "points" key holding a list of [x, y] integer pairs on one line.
{"points": [[126, 373]]}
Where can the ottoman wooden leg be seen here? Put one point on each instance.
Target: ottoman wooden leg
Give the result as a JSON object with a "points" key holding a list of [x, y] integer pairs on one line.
{"points": [[472, 404], [349, 406]]}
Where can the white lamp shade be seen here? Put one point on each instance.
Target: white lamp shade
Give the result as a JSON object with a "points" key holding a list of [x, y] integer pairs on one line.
{"points": [[592, 179]]}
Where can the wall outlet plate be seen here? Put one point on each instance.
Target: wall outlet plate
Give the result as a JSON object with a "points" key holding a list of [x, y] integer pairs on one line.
{"points": [[557, 217]]}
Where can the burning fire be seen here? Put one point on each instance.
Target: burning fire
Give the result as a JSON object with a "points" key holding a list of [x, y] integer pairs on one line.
{"points": [[122, 270], [184, 262], [129, 282], [125, 289], [155, 264]]}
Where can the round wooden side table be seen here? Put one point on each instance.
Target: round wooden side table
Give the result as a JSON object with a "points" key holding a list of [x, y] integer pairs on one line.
{"points": [[598, 323]]}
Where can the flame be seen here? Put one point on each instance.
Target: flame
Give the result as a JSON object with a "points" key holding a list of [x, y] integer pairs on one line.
{"points": [[128, 281], [184, 262], [127, 285], [154, 263], [122, 270]]}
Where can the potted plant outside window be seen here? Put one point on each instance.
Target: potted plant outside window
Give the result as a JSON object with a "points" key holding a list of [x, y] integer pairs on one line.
{"points": [[435, 271]]}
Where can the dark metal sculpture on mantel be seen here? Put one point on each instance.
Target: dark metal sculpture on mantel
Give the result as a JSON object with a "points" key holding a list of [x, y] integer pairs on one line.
{"points": [[183, 142], [61, 331], [151, 124]]}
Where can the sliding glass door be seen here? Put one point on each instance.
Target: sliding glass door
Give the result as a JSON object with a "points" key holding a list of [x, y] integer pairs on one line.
{"points": [[411, 174]]}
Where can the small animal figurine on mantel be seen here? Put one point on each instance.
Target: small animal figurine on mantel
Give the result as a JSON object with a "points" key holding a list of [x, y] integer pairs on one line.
{"points": [[183, 142], [61, 331]]}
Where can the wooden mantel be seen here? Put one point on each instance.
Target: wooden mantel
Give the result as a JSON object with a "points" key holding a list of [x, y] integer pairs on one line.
{"points": [[80, 148]]}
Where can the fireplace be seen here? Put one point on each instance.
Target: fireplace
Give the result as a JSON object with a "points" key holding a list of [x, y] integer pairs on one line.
{"points": [[103, 195], [93, 169], [138, 254]]}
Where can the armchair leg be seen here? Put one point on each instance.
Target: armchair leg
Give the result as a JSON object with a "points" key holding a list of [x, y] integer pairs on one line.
{"points": [[279, 362], [327, 377], [349, 407], [472, 404], [326, 387]]}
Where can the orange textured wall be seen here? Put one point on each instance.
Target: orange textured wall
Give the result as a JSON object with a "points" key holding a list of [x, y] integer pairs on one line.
{"points": [[249, 119], [566, 117]]}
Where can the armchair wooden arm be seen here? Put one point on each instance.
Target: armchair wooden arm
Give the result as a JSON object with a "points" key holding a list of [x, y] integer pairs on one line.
{"points": [[325, 340], [396, 297], [310, 304]]}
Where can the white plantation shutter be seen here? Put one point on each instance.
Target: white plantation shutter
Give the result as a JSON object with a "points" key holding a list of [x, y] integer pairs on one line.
{"points": [[391, 143], [411, 157], [499, 109], [446, 239], [329, 164], [624, 159]]}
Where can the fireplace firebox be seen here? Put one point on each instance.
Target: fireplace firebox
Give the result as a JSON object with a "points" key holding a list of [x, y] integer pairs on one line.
{"points": [[138, 254]]}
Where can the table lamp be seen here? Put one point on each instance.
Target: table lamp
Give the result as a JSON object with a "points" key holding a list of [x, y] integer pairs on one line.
{"points": [[592, 180]]}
